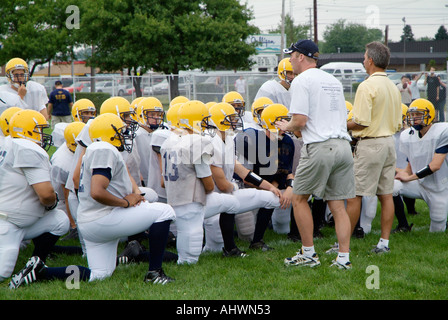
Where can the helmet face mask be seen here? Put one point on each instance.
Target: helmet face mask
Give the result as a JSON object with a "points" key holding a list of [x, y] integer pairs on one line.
{"points": [[125, 136], [421, 113], [128, 118], [110, 128], [154, 117]]}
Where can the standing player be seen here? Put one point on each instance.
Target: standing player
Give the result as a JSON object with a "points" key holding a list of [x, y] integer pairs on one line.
{"points": [[33, 94], [425, 145], [109, 208]]}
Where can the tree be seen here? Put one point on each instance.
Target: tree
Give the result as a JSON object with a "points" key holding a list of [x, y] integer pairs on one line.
{"points": [[348, 37], [35, 31], [442, 33], [407, 34], [293, 32], [167, 36]]}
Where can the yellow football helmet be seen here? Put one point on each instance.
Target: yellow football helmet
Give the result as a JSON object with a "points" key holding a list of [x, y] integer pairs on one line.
{"points": [[71, 131], [151, 113], [273, 113], [83, 110], [209, 104], [30, 124], [191, 116], [236, 100], [350, 115], [258, 106], [172, 115], [404, 111], [178, 99], [223, 116], [348, 106], [283, 67], [134, 104], [5, 119], [17, 64], [420, 110], [122, 108], [110, 128]]}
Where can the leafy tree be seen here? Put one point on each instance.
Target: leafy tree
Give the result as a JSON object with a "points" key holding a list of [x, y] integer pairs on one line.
{"points": [[407, 34], [167, 36], [293, 32], [35, 31], [348, 37], [442, 33]]}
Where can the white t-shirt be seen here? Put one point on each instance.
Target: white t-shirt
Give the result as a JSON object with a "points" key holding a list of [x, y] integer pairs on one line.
{"points": [[36, 96], [274, 90], [319, 96], [22, 164], [101, 155], [415, 92]]}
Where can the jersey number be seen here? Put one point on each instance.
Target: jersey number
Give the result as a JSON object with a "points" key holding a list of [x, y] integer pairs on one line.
{"points": [[171, 173]]}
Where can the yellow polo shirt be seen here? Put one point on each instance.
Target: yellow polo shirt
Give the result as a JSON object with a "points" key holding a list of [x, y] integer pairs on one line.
{"points": [[377, 106]]}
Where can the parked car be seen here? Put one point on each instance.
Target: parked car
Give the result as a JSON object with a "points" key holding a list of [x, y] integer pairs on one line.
{"points": [[78, 86], [163, 87], [110, 87], [49, 85]]}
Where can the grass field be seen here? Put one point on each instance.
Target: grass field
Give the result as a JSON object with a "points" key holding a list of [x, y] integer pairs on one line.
{"points": [[415, 269]]}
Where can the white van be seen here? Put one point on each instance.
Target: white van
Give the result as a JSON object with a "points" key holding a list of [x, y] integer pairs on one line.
{"points": [[343, 70], [346, 72]]}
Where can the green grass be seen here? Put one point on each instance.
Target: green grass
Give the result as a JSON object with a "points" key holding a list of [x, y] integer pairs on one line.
{"points": [[415, 269]]}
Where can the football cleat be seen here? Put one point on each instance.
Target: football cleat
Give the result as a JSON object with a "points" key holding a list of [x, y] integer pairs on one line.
{"points": [[157, 277], [381, 250], [260, 245], [235, 252], [28, 274], [301, 260], [130, 253]]}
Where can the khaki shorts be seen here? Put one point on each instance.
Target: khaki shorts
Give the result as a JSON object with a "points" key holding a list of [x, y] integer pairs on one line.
{"points": [[325, 170], [375, 166]]}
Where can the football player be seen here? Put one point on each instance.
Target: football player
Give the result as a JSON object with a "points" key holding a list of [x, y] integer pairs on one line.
{"points": [[109, 206], [425, 144]]}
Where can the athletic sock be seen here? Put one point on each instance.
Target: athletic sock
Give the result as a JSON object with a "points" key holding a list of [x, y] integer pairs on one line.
{"points": [[399, 212], [343, 257], [43, 245], [383, 243], [226, 224], [308, 251], [158, 236], [263, 217]]}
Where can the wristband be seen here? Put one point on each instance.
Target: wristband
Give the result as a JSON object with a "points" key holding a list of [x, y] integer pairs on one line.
{"points": [[54, 205], [290, 183], [253, 178], [426, 171], [127, 202]]}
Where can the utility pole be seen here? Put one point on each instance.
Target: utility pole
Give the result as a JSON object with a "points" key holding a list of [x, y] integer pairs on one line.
{"points": [[282, 40], [404, 44], [386, 35], [315, 22]]}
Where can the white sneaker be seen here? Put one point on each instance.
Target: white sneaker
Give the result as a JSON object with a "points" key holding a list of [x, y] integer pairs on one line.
{"points": [[301, 260], [347, 265]]}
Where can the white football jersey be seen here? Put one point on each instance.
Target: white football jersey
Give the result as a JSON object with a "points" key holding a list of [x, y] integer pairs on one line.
{"points": [[273, 90], [58, 134], [224, 155], [132, 161], [101, 155], [186, 159], [8, 99], [420, 152], [22, 164], [60, 168], [154, 178], [36, 97]]}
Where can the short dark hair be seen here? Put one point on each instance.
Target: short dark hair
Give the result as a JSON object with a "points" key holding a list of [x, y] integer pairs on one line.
{"points": [[58, 83], [379, 53]]}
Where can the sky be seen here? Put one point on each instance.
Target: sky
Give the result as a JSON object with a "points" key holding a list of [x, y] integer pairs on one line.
{"points": [[424, 16]]}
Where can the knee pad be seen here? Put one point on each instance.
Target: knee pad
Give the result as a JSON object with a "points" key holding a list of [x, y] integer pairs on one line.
{"points": [[245, 225], [281, 219], [150, 194]]}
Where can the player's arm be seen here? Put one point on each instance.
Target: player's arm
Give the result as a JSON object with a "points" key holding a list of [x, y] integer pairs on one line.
{"points": [[250, 178], [435, 164], [77, 171], [45, 192], [297, 123], [220, 180], [286, 200], [98, 191], [67, 207], [209, 184]]}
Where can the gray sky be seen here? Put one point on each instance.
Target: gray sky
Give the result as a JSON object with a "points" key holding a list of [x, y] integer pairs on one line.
{"points": [[424, 16]]}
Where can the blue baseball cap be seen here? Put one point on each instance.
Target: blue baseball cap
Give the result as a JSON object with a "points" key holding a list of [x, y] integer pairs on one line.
{"points": [[305, 47]]}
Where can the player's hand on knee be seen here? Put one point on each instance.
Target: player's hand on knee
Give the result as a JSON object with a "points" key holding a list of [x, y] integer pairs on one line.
{"points": [[134, 199]]}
